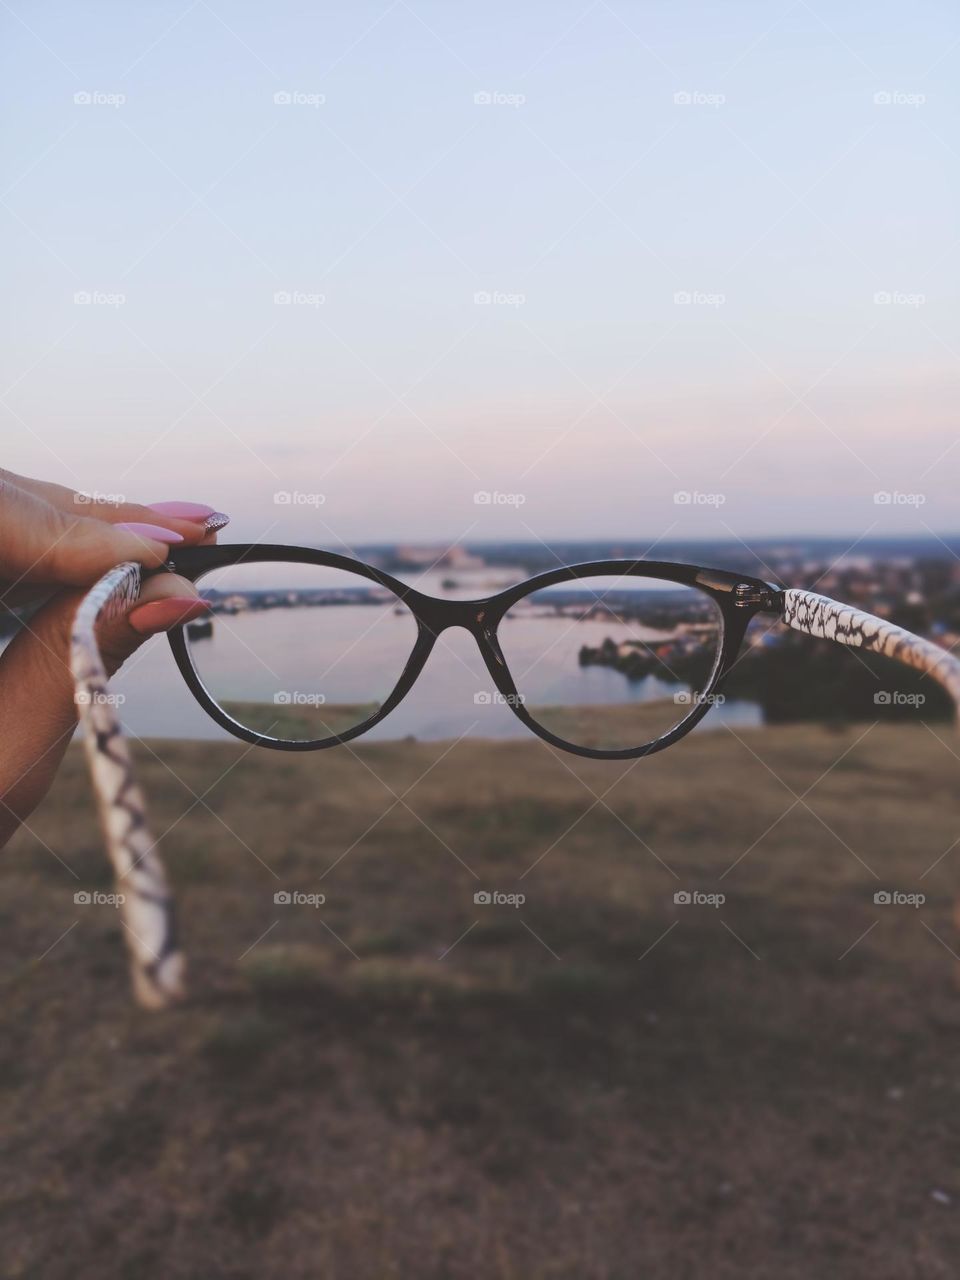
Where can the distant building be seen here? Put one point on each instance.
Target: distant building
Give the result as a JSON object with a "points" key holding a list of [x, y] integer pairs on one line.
{"points": [[435, 557]]}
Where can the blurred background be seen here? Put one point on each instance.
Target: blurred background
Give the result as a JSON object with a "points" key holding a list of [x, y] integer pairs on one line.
{"points": [[471, 291]]}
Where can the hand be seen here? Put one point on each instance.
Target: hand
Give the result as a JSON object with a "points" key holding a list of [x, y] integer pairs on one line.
{"points": [[54, 544]]}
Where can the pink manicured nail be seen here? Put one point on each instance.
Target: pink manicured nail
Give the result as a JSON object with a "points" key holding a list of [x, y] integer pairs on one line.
{"points": [[182, 510], [154, 531], [160, 615]]}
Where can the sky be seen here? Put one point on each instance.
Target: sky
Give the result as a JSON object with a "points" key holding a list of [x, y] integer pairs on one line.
{"points": [[441, 271]]}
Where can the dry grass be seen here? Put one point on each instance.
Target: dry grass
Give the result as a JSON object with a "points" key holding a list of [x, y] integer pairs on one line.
{"points": [[759, 1095]]}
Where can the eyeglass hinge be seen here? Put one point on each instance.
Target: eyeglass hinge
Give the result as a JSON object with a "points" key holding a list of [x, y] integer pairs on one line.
{"points": [[747, 596]]}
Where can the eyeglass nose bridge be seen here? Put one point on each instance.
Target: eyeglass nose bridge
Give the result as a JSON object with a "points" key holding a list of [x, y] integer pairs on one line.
{"points": [[440, 615], [479, 617]]}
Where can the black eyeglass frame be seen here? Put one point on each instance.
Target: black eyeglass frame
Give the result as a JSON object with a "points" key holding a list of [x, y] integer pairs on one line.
{"points": [[738, 597]]}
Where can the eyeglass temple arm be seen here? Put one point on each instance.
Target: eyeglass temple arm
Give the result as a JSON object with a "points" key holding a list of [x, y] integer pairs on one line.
{"points": [[147, 909], [817, 615]]}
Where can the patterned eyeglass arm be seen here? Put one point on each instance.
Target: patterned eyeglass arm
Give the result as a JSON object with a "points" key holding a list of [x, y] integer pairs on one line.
{"points": [[820, 616], [147, 911]]}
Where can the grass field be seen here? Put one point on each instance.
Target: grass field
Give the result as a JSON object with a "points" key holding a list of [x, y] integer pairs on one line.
{"points": [[599, 1084]]}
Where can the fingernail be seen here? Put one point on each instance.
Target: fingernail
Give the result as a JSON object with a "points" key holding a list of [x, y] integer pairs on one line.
{"points": [[182, 510], [161, 615], [154, 531], [216, 520]]}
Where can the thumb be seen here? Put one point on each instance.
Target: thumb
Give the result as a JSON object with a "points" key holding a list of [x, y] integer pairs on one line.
{"points": [[37, 690], [36, 663], [166, 601]]}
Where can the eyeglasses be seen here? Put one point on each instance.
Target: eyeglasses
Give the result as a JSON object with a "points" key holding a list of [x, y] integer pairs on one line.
{"points": [[303, 650]]}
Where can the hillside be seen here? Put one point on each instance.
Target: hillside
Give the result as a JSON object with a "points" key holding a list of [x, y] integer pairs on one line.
{"points": [[598, 1084]]}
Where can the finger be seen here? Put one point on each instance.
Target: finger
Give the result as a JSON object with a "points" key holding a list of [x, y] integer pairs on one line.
{"points": [[37, 688], [19, 596], [40, 543], [186, 518]]}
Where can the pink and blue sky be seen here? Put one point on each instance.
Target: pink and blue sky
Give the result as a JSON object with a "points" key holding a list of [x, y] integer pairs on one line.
{"points": [[719, 244]]}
